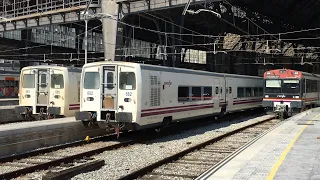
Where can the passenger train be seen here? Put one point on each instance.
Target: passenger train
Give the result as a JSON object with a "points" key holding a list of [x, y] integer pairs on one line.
{"points": [[9, 84], [295, 89], [131, 96], [49, 92]]}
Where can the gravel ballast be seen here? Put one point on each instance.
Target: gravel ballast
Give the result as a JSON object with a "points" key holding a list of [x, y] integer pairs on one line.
{"points": [[125, 160]]}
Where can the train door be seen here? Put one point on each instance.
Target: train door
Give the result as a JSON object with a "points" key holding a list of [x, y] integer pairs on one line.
{"points": [[42, 87], [109, 87], [216, 95], [229, 92], [222, 94]]}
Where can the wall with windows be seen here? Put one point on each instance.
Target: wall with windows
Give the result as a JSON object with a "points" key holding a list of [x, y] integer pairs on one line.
{"points": [[195, 56]]}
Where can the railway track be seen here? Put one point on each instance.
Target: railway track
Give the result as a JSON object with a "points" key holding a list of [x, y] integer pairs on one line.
{"points": [[76, 155], [192, 162], [71, 159]]}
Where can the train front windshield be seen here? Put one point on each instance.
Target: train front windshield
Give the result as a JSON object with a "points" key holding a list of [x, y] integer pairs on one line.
{"points": [[285, 86], [91, 80]]}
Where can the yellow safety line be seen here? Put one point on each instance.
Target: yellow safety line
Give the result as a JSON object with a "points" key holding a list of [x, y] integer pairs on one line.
{"points": [[286, 151]]}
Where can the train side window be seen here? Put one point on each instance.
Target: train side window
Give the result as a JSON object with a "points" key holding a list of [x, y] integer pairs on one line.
{"points": [[230, 90], [308, 86], [221, 90], [217, 90], [314, 86], [240, 92], [28, 81], [183, 94], [196, 93], [207, 93], [255, 92], [260, 91], [248, 92], [2, 83]]}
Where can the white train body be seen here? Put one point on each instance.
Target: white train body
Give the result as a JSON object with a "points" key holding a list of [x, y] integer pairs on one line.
{"points": [[49, 90], [140, 96]]}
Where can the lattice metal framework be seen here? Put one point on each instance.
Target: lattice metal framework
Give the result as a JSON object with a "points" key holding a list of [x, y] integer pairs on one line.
{"points": [[16, 8]]}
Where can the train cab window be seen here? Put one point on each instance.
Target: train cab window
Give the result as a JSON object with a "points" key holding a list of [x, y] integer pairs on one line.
{"points": [[91, 80], [217, 90], [183, 94], [255, 92], [127, 81], [57, 81], [240, 92], [28, 81], [207, 93], [248, 92], [273, 86], [291, 86], [196, 93]]}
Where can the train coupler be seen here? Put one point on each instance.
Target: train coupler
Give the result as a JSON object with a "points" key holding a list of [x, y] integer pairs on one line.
{"points": [[115, 126], [42, 114], [281, 111]]}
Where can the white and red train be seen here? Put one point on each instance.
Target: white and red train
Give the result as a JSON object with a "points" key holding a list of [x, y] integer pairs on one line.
{"points": [[134, 96], [9, 84], [295, 89], [49, 91]]}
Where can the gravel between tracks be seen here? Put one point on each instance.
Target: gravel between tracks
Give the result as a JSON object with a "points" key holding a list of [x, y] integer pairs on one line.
{"points": [[128, 159]]}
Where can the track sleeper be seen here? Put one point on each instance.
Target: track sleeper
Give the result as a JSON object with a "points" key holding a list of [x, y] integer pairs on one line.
{"points": [[66, 174]]}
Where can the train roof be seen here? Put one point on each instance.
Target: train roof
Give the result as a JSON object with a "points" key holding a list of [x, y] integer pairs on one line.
{"points": [[300, 73], [169, 69], [69, 68]]}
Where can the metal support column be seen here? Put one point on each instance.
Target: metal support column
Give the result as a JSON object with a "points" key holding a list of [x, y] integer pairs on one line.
{"points": [[86, 42], [110, 26]]}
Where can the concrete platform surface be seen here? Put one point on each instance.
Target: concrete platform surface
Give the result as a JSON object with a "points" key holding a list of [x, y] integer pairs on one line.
{"points": [[291, 151], [8, 114], [25, 136]]}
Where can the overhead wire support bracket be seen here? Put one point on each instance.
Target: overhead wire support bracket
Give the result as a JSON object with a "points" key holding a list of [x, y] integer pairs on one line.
{"points": [[186, 8]]}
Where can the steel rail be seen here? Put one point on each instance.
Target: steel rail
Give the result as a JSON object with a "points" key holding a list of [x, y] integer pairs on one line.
{"points": [[149, 168]]}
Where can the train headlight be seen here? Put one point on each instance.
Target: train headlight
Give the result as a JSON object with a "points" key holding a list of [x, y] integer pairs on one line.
{"points": [[90, 98], [268, 72], [296, 72], [28, 96], [266, 96], [57, 96], [127, 99], [296, 97]]}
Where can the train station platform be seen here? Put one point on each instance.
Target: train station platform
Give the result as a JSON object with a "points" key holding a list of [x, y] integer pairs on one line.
{"points": [[289, 151], [16, 138]]}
